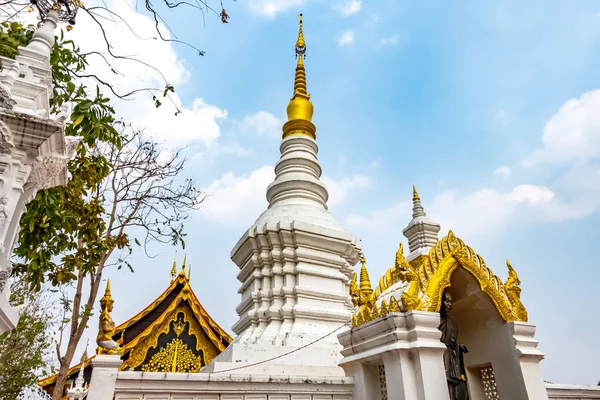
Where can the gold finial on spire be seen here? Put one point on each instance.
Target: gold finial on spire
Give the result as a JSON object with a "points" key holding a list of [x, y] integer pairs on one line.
{"points": [[415, 194], [365, 282], [174, 269], [84, 356], [189, 272], [300, 109], [184, 261]]}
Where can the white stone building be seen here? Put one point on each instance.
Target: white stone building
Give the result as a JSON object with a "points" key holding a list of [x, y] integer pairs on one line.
{"points": [[33, 148]]}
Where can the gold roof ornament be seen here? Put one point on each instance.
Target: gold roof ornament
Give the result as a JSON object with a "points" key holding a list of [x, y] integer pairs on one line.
{"points": [[365, 282], [174, 269], [107, 298], [415, 194], [423, 281], [300, 109]]}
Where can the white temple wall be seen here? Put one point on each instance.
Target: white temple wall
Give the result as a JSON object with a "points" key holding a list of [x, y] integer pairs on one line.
{"points": [[502, 356]]}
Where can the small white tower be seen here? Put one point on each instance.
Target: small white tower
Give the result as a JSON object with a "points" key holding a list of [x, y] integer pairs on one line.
{"points": [[421, 232], [79, 389]]}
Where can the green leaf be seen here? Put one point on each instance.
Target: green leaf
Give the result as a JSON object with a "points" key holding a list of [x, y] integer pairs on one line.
{"points": [[78, 120]]}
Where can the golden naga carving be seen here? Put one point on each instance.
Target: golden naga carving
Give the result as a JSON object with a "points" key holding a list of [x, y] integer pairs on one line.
{"points": [[426, 278], [106, 326], [512, 286]]}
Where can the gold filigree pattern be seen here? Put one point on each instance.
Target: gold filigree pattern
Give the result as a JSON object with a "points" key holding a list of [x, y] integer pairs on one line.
{"points": [[175, 357], [203, 343], [428, 276]]}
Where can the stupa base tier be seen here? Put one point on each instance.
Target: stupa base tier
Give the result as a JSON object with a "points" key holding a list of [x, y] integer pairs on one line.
{"points": [[267, 359]]}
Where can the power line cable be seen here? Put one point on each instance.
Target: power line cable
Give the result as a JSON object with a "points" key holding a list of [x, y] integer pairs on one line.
{"points": [[282, 355]]}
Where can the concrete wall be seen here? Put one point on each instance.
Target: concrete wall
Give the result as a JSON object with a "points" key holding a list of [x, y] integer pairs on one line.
{"points": [[572, 392]]}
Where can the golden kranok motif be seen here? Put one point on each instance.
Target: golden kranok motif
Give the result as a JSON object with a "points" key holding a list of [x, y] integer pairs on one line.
{"points": [[422, 283], [203, 343], [175, 357]]}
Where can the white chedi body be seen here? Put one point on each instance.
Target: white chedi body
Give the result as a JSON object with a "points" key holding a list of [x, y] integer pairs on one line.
{"points": [[296, 263]]}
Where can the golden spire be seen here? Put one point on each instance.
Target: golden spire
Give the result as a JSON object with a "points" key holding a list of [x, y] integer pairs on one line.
{"points": [[415, 194], [174, 269], [182, 272], [365, 282], [84, 356], [107, 297], [300, 107], [189, 272]]}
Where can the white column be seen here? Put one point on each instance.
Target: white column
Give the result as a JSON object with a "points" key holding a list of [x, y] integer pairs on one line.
{"points": [[104, 377], [530, 360], [409, 347]]}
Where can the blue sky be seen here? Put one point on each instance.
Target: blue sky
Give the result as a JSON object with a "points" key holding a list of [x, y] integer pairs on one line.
{"points": [[489, 109]]}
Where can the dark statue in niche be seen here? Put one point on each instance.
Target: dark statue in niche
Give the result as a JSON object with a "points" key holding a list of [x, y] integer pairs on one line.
{"points": [[453, 356]]}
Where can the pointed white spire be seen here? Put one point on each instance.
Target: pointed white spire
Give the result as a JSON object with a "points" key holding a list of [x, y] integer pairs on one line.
{"points": [[39, 49], [421, 232]]}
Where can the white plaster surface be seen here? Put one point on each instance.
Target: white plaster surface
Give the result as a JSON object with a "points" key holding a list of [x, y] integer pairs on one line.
{"points": [[104, 377], [33, 149], [572, 392], [409, 347], [296, 263], [131, 385]]}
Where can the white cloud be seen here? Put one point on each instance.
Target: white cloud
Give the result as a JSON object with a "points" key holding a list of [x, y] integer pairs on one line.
{"points": [[390, 40], [502, 171], [339, 190], [263, 123], [349, 7], [346, 38], [481, 211], [573, 134], [382, 219], [237, 201], [270, 8], [197, 122]]}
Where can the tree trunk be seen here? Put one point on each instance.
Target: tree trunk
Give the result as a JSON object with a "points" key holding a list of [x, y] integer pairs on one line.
{"points": [[65, 362]]}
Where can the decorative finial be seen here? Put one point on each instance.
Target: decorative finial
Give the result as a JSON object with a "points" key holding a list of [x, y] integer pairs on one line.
{"points": [[415, 194], [189, 272], [84, 356], [106, 326], [184, 261], [365, 282], [107, 297], [300, 107], [418, 210], [174, 269]]}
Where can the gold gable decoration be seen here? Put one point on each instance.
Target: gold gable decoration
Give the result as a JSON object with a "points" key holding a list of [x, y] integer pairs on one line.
{"points": [[426, 277], [203, 343], [175, 357]]}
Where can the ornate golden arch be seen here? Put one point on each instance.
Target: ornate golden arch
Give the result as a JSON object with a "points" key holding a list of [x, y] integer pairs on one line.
{"points": [[429, 275]]}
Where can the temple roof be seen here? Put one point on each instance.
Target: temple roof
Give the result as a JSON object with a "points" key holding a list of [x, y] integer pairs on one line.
{"points": [[418, 284], [175, 321]]}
